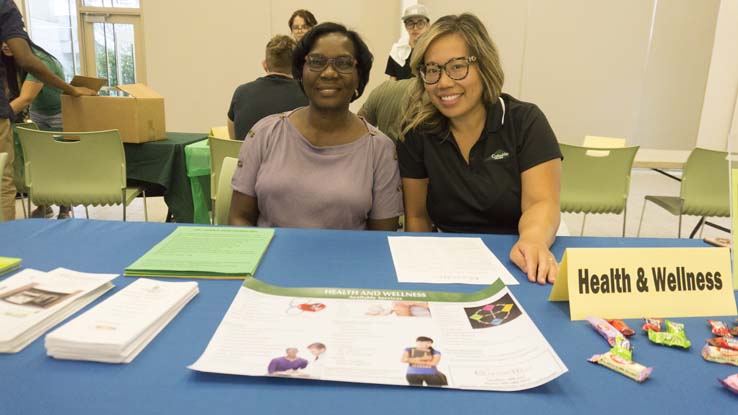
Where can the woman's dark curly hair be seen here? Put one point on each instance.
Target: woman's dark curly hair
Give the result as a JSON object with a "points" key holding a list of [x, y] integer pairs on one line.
{"points": [[363, 56]]}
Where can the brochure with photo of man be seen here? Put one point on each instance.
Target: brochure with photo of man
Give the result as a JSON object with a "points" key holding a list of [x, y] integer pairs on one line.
{"points": [[483, 340]]}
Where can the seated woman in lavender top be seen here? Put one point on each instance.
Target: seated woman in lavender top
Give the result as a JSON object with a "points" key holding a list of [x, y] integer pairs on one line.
{"points": [[320, 166]]}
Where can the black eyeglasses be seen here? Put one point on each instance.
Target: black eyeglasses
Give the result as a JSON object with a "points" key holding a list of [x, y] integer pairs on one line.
{"points": [[420, 24], [456, 69], [342, 64]]}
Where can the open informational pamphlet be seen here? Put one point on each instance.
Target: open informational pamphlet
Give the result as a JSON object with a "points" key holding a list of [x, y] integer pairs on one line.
{"points": [[482, 340]]}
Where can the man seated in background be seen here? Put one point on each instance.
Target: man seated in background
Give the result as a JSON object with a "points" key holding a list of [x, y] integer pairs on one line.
{"points": [[385, 106], [271, 94]]}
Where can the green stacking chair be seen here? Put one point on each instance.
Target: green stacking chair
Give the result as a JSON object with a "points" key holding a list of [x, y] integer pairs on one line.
{"points": [[222, 205], [596, 180], [76, 169], [219, 149], [705, 190], [18, 176], [3, 161]]}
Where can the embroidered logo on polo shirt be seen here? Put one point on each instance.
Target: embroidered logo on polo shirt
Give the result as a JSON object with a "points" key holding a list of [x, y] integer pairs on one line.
{"points": [[498, 155]]}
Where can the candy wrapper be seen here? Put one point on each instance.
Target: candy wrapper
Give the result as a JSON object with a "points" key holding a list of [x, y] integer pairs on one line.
{"points": [[622, 348], [719, 328], [605, 329], [631, 369], [731, 382], [622, 327], [725, 343], [673, 336], [652, 324], [719, 355]]}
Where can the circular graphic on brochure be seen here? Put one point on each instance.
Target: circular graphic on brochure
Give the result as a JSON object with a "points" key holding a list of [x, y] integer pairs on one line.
{"points": [[494, 314]]}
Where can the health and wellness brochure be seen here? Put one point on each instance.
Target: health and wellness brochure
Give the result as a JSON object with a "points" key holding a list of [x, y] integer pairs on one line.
{"points": [[483, 340]]}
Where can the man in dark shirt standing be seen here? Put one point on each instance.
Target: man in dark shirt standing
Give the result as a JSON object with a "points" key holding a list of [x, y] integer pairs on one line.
{"points": [[15, 36], [271, 94]]}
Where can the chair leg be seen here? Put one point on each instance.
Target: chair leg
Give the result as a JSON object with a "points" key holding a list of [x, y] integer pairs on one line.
{"points": [[23, 206], [87, 213], [702, 228], [146, 211], [625, 217], [679, 231], [643, 210], [29, 205], [124, 204], [584, 221]]}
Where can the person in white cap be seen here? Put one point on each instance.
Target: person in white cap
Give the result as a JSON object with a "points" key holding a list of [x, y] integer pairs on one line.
{"points": [[417, 21]]}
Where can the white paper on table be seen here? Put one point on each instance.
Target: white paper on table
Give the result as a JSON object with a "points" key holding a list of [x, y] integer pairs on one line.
{"points": [[446, 261], [485, 339], [117, 329]]}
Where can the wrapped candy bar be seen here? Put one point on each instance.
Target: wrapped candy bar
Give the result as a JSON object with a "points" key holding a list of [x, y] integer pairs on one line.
{"points": [[622, 327], [652, 324], [725, 343], [731, 382], [631, 369], [720, 355], [605, 329], [673, 336], [719, 328]]}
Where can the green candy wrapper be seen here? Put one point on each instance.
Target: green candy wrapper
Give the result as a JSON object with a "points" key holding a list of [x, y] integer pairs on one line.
{"points": [[674, 336], [622, 348]]}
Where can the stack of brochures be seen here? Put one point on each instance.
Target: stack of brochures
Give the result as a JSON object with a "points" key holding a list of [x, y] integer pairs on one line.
{"points": [[119, 328], [205, 252], [8, 264], [32, 302]]}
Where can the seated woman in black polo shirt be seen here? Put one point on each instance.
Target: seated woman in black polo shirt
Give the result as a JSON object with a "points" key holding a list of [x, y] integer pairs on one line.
{"points": [[473, 159]]}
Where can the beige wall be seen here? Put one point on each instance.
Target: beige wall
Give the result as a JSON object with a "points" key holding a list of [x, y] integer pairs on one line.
{"points": [[197, 56], [588, 65], [678, 64], [720, 108]]}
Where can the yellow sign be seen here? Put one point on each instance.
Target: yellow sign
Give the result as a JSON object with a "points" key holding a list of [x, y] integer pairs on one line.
{"points": [[645, 282]]}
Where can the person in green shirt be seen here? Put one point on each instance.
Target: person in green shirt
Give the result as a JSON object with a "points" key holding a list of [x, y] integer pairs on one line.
{"points": [[31, 97]]}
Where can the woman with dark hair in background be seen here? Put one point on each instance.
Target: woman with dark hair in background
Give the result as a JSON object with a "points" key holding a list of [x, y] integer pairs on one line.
{"points": [[29, 95], [320, 166], [300, 22]]}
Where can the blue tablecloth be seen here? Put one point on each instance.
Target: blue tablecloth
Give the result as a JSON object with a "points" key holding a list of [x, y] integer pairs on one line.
{"points": [[158, 382]]}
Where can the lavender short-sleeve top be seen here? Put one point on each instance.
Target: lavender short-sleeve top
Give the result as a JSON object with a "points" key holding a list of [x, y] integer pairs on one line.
{"points": [[299, 185]]}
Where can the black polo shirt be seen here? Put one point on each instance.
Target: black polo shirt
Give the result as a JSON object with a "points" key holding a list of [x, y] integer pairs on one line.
{"points": [[484, 195], [264, 96]]}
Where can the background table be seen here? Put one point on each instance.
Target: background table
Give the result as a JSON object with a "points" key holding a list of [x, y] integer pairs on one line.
{"points": [[158, 382], [162, 164], [197, 157]]}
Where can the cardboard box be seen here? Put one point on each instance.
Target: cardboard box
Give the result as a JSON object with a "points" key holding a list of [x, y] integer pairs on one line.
{"points": [[138, 113]]}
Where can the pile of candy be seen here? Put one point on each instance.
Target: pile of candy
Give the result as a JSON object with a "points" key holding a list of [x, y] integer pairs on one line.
{"points": [[620, 357], [723, 348]]}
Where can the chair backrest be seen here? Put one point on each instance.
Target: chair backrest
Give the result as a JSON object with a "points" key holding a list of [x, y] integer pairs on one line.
{"points": [[595, 183], [3, 161], [220, 149], [705, 188], [603, 142], [70, 168], [225, 192], [220, 132], [18, 161]]}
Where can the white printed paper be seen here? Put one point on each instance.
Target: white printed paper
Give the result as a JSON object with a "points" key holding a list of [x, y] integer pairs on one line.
{"points": [[483, 340], [446, 261]]}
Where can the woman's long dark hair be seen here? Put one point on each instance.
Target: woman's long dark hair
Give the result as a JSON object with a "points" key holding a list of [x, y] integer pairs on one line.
{"points": [[15, 75]]}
